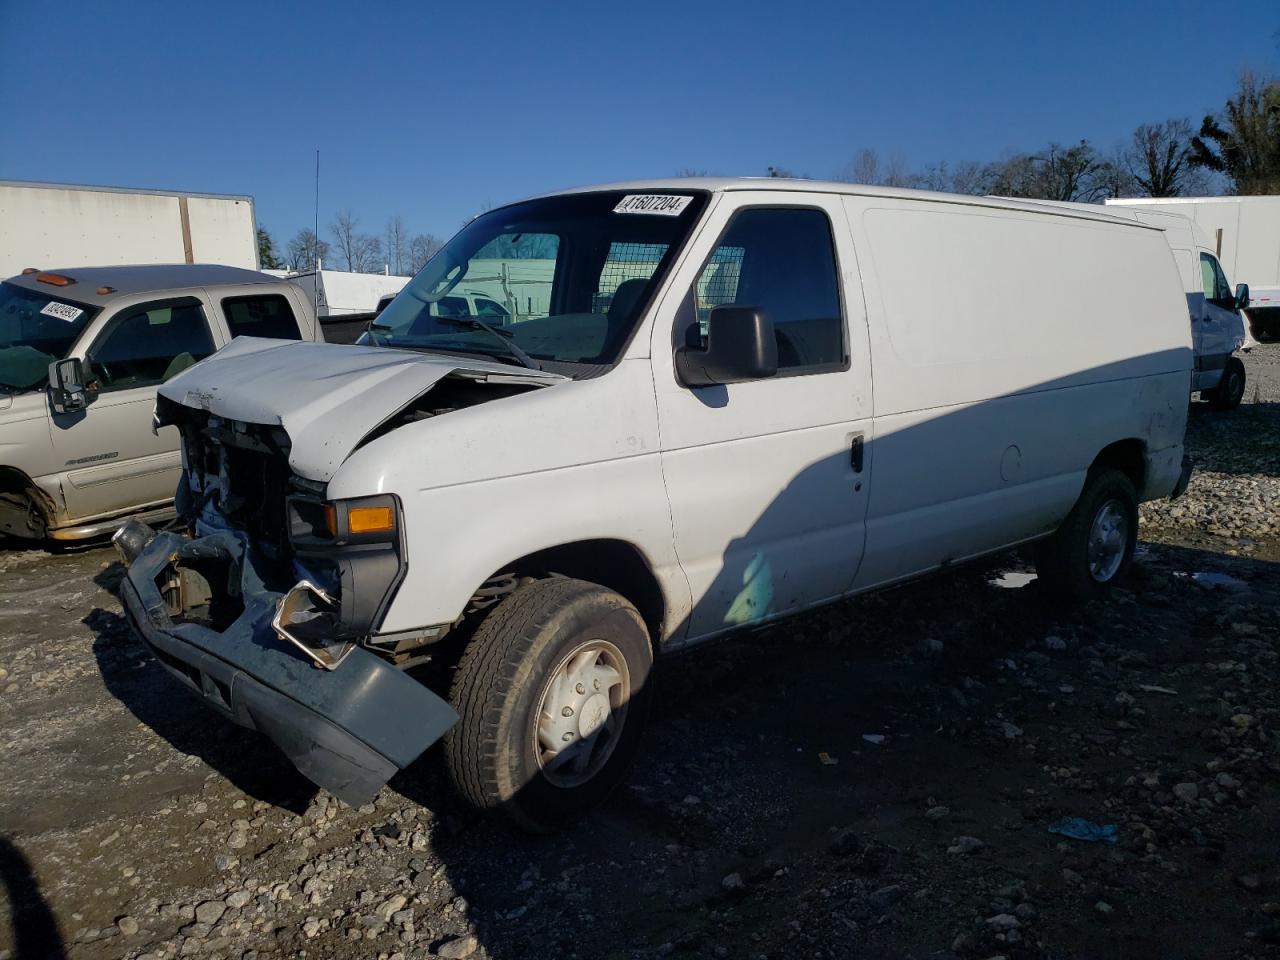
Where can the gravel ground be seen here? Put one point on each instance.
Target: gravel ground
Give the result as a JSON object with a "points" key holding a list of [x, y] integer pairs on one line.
{"points": [[873, 780]]}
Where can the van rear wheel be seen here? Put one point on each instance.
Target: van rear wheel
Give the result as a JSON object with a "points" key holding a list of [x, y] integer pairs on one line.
{"points": [[1230, 390], [1093, 548], [552, 693]]}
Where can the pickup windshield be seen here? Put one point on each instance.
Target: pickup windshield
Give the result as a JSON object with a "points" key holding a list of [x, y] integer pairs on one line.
{"points": [[562, 279], [36, 328]]}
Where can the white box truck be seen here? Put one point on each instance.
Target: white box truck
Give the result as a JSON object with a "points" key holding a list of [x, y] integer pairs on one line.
{"points": [[879, 388], [65, 225], [1245, 235]]}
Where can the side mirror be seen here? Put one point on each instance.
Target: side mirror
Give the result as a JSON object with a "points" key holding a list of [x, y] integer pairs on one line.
{"points": [[1242, 296], [740, 346], [67, 389]]}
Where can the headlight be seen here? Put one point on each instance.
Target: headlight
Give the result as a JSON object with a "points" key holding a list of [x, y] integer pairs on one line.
{"points": [[340, 522], [362, 519]]}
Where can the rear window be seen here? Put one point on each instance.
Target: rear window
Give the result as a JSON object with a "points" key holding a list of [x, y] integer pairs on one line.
{"points": [[267, 315]]}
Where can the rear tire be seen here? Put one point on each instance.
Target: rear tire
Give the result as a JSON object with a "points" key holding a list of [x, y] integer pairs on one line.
{"points": [[1093, 548], [559, 661], [1230, 390]]}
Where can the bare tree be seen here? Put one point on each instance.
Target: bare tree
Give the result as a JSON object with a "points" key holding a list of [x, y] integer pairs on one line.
{"points": [[1070, 173], [1057, 173], [306, 250], [864, 168], [1112, 177], [896, 173], [421, 249], [936, 176], [359, 252], [970, 178], [397, 245], [1159, 157]]}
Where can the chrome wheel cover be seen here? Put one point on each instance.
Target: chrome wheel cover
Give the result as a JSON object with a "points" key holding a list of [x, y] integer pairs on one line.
{"points": [[581, 713], [1108, 541]]}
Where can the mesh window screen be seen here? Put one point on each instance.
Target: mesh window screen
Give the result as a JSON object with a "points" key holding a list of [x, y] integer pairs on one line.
{"points": [[626, 261]]}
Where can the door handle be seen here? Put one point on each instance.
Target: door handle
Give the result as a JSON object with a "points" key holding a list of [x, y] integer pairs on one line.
{"points": [[855, 453]]}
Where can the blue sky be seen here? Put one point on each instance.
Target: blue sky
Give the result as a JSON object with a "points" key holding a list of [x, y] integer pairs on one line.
{"points": [[435, 110]]}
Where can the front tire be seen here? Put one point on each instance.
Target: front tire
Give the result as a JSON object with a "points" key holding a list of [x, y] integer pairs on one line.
{"points": [[1093, 548], [1230, 391], [552, 693]]}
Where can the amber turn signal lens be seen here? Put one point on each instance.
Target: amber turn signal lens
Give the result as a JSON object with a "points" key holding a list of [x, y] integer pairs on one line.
{"points": [[371, 519], [331, 519], [57, 279]]}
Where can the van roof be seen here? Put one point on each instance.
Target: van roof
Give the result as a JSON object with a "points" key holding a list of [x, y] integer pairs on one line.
{"points": [[148, 278], [786, 185]]}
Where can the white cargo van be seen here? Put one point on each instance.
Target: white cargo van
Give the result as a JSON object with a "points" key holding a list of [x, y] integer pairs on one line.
{"points": [[1245, 236], [816, 390], [1218, 328]]}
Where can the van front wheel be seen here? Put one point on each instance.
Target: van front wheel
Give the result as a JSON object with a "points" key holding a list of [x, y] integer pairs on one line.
{"points": [[552, 693], [1093, 548], [1230, 391]]}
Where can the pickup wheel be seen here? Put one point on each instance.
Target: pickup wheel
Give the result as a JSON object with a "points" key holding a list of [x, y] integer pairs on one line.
{"points": [[1230, 390], [1093, 548], [552, 693]]}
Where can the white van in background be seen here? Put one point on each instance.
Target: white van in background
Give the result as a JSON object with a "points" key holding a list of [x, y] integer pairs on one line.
{"points": [[1218, 328], [1244, 233], [813, 391]]}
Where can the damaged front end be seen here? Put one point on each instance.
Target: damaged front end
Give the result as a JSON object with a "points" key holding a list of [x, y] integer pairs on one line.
{"points": [[204, 608], [264, 612], [271, 608]]}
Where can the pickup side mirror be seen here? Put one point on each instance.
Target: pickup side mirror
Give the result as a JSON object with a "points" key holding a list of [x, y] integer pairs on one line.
{"points": [[740, 346], [67, 388], [1242, 296]]}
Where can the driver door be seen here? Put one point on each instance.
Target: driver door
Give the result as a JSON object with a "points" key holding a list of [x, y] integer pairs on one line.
{"points": [[112, 461], [1220, 329]]}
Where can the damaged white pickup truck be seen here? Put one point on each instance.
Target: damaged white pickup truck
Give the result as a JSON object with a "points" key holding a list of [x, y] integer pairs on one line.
{"points": [[704, 405]]}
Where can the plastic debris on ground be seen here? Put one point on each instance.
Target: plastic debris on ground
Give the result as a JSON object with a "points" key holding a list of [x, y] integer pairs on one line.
{"points": [[827, 760], [1078, 828], [1013, 579], [1152, 688], [1212, 580], [876, 738]]}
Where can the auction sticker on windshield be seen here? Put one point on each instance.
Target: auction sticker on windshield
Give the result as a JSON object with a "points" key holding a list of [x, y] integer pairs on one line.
{"points": [[63, 311], [658, 204]]}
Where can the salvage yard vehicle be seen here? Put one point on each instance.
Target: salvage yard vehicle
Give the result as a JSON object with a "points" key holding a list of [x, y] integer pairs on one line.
{"points": [[1219, 332], [489, 533], [81, 354], [1245, 235]]}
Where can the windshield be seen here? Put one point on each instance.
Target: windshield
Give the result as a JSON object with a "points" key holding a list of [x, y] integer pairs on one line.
{"points": [[36, 328], [561, 281]]}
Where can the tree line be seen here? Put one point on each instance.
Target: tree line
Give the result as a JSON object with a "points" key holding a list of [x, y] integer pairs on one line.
{"points": [[351, 249], [1236, 150]]}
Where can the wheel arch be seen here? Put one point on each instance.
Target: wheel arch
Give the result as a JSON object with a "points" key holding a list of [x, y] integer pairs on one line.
{"points": [[616, 564], [1129, 456], [16, 489]]}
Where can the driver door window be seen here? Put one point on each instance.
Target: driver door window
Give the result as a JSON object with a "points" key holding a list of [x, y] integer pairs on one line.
{"points": [[1216, 289], [150, 343], [782, 261]]}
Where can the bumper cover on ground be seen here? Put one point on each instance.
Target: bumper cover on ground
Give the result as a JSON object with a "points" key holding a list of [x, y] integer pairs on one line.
{"points": [[347, 730]]}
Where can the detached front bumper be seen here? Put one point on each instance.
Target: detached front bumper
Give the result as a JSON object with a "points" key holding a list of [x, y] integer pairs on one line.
{"points": [[348, 729]]}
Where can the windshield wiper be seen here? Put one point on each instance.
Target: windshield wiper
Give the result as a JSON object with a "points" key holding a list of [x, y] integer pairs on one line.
{"points": [[502, 336]]}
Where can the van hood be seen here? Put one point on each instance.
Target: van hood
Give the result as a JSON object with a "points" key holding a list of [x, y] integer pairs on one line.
{"points": [[326, 397]]}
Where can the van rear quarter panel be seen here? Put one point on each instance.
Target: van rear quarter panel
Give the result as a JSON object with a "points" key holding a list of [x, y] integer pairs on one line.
{"points": [[1008, 348]]}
